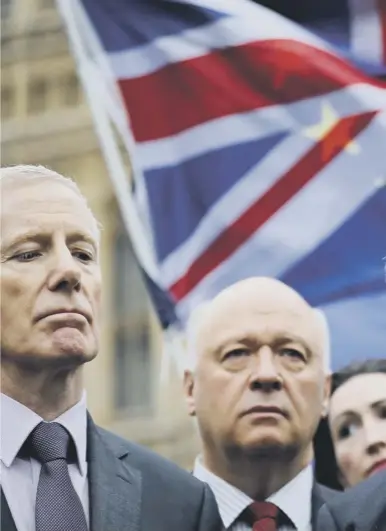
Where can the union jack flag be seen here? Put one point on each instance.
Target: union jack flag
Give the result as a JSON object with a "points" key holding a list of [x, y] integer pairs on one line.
{"points": [[257, 150], [356, 28]]}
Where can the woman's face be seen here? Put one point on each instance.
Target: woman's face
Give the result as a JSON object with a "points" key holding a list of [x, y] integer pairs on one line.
{"points": [[357, 420]]}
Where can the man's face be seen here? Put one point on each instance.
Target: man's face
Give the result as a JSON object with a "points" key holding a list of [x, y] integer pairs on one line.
{"points": [[50, 275], [259, 382]]}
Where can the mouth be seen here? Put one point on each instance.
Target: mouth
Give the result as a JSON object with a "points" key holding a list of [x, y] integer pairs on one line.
{"points": [[74, 313], [265, 411], [380, 465]]}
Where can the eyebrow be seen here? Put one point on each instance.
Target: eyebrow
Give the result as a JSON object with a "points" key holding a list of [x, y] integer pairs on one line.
{"points": [[292, 338], [351, 413], [343, 415], [82, 236], [32, 236], [378, 403], [248, 338]]}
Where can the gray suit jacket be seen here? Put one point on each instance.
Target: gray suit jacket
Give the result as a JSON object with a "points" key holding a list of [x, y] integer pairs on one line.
{"points": [[134, 489], [361, 508], [321, 496]]}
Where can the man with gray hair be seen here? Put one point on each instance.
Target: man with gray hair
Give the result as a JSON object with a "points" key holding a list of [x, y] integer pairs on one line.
{"points": [[258, 383], [59, 471]]}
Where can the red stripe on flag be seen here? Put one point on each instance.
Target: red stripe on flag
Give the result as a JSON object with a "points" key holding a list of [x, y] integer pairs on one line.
{"points": [[381, 8], [234, 80], [267, 205]]}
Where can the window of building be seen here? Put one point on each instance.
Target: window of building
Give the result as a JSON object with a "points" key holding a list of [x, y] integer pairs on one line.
{"points": [[46, 4], [6, 7], [7, 102], [133, 385], [70, 90], [37, 96], [133, 360]]}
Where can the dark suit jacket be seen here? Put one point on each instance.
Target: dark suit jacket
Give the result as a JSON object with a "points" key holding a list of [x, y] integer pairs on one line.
{"points": [[361, 508], [321, 496], [134, 489]]}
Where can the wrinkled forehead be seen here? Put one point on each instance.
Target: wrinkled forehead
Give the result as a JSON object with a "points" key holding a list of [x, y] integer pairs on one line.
{"points": [[43, 205], [259, 320]]}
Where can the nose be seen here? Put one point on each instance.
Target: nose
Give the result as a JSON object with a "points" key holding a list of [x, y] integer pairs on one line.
{"points": [[375, 437], [265, 375], [65, 273]]}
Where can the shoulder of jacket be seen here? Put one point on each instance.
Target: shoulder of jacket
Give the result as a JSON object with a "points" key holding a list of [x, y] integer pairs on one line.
{"points": [[149, 461]]}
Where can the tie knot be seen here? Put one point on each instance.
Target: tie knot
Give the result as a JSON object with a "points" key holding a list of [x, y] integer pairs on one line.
{"points": [[49, 441], [264, 509], [264, 516]]}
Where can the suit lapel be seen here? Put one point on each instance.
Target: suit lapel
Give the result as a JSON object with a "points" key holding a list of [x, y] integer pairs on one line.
{"points": [[7, 521], [316, 503], [361, 508], [115, 488], [370, 515], [320, 496]]}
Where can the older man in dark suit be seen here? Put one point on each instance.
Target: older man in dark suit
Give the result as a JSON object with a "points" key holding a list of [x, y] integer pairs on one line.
{"points": [[60, 472], [258, 383]]}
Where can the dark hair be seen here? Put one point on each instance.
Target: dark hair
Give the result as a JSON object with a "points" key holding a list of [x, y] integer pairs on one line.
{"points": [[355, 369], [326, 467]]}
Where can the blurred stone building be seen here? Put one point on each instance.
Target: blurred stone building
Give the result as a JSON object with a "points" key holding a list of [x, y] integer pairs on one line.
{"points": [[45, 120]]}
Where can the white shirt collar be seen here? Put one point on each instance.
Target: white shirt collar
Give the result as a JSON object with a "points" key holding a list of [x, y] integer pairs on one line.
{"points": [[294, 499], [17, 422], [231, 501]]}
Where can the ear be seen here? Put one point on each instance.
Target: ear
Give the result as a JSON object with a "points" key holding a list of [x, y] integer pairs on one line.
{"points": [[326, 394], [189, 392]]}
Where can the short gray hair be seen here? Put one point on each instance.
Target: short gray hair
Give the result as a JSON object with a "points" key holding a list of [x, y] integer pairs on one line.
{"points": [[30, 172], [198, 315]]}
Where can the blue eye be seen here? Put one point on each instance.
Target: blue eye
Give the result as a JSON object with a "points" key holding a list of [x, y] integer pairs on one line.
{"points": [[347, 430], [83, 256], [236, 353], [382, 412], [27, 256], [292, 353]]}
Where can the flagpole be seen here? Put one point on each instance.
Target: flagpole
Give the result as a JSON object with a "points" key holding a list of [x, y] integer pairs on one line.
{"points": [[112, 156]]}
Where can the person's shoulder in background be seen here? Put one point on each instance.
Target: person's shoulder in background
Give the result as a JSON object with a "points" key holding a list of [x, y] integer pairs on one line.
{"points": [[360, 508]]}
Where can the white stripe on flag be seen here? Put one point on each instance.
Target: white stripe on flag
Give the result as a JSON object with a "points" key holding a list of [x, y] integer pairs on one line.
{"points": [[314, 213], [192, 43], [243, 127], [90, 76], [216, 134], [241, 7], [366, 30], [231, 205], [113, 103], [244, 193]]}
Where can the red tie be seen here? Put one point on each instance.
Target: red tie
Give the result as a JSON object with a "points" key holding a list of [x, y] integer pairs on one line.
{"points": [[265, 515]]}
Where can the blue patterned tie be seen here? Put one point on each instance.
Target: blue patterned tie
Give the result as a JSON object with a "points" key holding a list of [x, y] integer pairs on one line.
{"points": [[58, 507]]}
